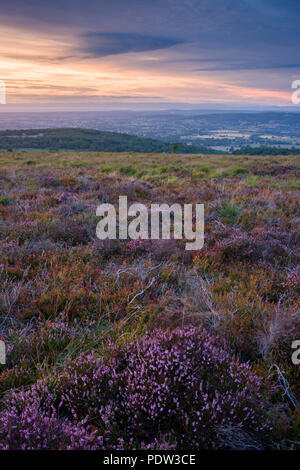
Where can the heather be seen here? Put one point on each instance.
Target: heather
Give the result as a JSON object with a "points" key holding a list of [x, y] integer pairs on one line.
{"points": [[176, 387], [169, 348]]}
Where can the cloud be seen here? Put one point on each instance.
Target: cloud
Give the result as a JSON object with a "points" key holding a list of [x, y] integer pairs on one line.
{"points": [[153, 45], [246, 66], [100, 44]]}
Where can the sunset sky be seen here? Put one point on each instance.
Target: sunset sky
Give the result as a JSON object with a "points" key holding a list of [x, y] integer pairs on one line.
{"points": [[94, 53]]}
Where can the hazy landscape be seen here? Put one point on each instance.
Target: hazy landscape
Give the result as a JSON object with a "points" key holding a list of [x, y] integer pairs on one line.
{"points": [[218, 131]]}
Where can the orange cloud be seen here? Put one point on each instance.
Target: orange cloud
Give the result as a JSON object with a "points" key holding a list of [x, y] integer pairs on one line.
{"points": [[41, 69]]}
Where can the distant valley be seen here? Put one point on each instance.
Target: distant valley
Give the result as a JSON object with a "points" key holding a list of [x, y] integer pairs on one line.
{"points": [[195, 131]]}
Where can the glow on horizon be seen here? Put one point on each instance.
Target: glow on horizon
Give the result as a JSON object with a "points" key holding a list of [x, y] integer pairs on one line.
{"points": [[40, 70]]}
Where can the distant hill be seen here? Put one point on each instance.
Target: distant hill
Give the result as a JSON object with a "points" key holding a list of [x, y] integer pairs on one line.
{"points": [[89, 140], [266, 150]]}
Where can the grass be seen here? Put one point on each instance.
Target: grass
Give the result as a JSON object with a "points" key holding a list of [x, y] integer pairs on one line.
{"points": [[229, 212]]}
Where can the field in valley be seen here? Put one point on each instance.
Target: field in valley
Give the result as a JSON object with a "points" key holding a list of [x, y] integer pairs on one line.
{"points": [[144, 345]]}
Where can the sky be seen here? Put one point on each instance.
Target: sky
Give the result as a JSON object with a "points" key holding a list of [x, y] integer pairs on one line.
{"points": [[97, 54]]}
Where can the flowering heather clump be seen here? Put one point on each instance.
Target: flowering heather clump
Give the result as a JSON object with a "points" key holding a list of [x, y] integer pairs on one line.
{"points": [[137, 246], [31, 430], [156, 249], [293, 279], [261, 245], [178, 384], [69, 232]]}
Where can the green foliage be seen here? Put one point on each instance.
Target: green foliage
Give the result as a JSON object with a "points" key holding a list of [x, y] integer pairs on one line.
{"points": [[240, 171], [5, 201], [229, 212], [252, 180], [128, 170]]}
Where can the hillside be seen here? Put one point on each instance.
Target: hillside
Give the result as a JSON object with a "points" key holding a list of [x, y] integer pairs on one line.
{"points": [[88, 140], [182, 349]]}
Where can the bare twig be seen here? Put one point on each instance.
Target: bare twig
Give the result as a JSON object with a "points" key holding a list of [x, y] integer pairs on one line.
{"points": [[142, 291], [284, 384]]}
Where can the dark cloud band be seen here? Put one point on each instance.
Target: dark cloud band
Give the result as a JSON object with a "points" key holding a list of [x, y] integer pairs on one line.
{"points": [[98, 44]]}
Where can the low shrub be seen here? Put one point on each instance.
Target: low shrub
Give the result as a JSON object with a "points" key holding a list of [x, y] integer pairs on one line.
{"points": [[178, 387], [259, 245], [293, 280], [70, 232]]}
